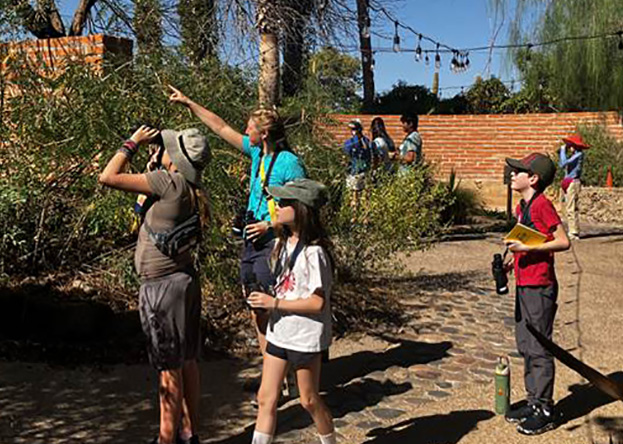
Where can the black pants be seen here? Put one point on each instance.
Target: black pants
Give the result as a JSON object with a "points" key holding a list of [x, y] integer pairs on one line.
{"points": [[536, 305]]}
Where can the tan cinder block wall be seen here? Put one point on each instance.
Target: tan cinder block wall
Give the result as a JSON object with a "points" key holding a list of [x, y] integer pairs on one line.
{"points": [[475, 146]]}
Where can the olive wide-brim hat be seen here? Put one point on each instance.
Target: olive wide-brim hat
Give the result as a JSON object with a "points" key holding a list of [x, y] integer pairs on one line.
{"points": [[311, 193], [189, 152]]}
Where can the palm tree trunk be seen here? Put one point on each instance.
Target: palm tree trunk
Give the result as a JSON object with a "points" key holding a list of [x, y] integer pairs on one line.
{"points": [[363, 20], [269, 54]]}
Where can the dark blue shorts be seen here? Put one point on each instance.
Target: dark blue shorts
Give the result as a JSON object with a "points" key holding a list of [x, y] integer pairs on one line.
{"points": [[296, 358], [257, 262]]}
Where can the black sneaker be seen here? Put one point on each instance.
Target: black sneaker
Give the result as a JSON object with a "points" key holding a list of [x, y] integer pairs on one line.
{"points": [[539, 422], [520, 414]]}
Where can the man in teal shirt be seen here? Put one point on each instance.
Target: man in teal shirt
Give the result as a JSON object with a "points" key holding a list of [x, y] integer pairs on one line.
{"points": [[411, 147]]}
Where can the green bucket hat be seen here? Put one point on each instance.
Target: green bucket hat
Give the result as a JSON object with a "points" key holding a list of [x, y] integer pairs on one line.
{"points": [[311, 193], [189, 152]]}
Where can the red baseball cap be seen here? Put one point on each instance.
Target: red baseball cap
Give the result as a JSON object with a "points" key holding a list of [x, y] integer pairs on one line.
{"points": [[535, 163], [576, 141]]}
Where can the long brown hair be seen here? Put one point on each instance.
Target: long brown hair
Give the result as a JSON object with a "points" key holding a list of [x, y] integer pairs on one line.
{"points": [[269, 121], [200, 202], [308, 223]]}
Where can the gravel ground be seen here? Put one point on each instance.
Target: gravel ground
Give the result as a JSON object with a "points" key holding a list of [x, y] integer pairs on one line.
{"points": [[430, 382]]}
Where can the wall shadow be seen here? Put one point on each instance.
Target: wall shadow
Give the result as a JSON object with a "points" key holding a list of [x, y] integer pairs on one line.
{"points": [[342, 400], [612, 426], [583, 399], [343, 396], [436, 429], [404, 353], [41, 405], [451, 281]]}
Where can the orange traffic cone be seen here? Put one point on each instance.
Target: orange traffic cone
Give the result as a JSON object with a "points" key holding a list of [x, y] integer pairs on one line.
{"points": [[609, 181]]}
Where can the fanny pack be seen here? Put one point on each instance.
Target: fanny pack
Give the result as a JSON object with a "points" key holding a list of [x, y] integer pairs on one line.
{"points": [[178, 239]]}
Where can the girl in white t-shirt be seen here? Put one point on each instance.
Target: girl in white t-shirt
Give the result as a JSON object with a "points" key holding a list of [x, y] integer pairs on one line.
{"points": [[299, 328]]}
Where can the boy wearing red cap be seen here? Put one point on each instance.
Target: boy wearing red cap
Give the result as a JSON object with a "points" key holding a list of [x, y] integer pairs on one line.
{"points": [[571, 184], [536, 291]]}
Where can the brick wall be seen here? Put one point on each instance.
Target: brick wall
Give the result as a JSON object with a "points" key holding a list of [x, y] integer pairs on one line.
{"points": [[475, 146], [52, 55]]}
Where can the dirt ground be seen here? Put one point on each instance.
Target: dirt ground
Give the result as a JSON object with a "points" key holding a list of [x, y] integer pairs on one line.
{"points": [[430, 382]]}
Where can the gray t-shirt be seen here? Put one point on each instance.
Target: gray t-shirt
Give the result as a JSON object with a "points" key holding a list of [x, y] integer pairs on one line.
{"points": [[172, 207], [309, 332]]}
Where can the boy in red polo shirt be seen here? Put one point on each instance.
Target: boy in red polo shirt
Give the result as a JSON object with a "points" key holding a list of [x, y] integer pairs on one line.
{"points": [[537, 290]]}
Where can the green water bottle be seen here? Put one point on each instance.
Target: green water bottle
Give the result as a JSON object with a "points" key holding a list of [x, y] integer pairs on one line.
{"points": [[502, 385]]}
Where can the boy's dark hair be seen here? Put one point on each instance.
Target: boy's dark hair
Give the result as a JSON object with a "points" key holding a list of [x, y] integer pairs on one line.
{"points": [[411, 118]]}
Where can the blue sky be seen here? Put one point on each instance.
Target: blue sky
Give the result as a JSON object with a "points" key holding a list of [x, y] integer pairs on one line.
{"points": [[457, 23]]}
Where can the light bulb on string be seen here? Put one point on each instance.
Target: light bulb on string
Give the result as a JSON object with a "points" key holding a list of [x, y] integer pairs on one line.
{"points": [[437, 58], [372, 64], [418, 50], [365, 30], [427, 60], [454, 63], [396, 38], [466, 60]]}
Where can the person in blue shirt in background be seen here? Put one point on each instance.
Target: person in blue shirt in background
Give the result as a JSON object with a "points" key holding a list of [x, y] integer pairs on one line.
{"points": [[360, 153], [572, 162], [272, 164]]}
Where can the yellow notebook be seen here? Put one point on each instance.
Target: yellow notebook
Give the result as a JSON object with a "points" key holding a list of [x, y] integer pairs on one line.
{"points": [[525, 235]]}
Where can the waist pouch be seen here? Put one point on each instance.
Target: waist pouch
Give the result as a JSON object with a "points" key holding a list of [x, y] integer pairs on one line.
{"points": [[178, 239]]}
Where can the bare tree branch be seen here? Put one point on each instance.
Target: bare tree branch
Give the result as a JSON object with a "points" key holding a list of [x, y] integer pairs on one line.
{"points": [[80, 16]]}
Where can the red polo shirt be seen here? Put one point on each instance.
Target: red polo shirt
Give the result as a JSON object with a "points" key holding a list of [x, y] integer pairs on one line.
{"points": [[536, 268]]}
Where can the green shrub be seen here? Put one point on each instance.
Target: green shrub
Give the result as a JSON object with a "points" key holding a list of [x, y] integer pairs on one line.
{"points": [[402, 212], [605, 152], [56, 220], [462, 202]]}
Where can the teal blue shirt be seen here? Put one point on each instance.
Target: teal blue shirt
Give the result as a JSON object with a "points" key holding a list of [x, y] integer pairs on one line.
{"points": [[287, 167]]}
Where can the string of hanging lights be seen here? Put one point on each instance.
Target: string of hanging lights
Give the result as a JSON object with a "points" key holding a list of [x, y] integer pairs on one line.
{"points": [[460, 56]]}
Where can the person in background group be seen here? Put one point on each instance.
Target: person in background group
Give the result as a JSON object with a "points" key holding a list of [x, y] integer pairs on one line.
{"points": [[170, 293], [411, 147], [359, 151], [300, 312], [383, 144], [536, 290], [272, 164], [572, 183]]}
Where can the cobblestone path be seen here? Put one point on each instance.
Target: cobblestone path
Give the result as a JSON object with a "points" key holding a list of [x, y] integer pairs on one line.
{"points": [[453, 338]]}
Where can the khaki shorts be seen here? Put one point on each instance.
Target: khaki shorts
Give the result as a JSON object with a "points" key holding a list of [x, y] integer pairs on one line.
{"points": [[356, 182], [170, 309]]}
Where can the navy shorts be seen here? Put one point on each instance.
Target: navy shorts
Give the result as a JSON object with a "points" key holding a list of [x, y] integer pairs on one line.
{"points": [[256, 262], [296, 358]]}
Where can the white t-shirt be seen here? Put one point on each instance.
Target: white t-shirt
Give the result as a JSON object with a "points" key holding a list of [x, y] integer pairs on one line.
{"points": [[310, 332]]}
